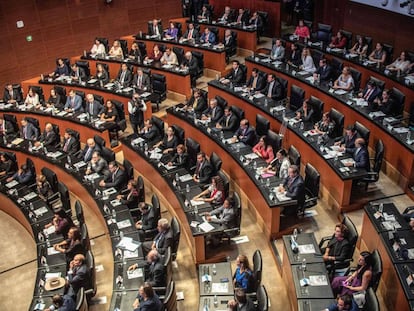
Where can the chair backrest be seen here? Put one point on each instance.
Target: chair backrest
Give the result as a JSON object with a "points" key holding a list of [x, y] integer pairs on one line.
{"points": [[390, 50], [142, 48], [81, 301], [238, 112], [297, 96], [124, 46], [10, 118], [99, 141], [238, 211], [158, 123], [159, 84], [141, 189], [64, 196], [363, 131], [61, 91], [348, 36], [56, 129], [167, 263], [30, 165], [379, 83], [108, 154], [337, 66], [379, 156], [371, 301], [257, 269], [356, 75], [176, 230], [215, 162], [243, 68], [79, 212], [376, 270], [129, 169], [105, 42], [119, 108], [339, 120], [399, 98], [262, 125], [84, 64], [262, 299], [317, 56], [312, 179], [179, 133], [51, 178], [193, 148], [294, 156], [274, 140], [170, 300], [85, 237], [324, 32], [180, 54], [226, 182], [284, 84], [90, 263], [200, 61], [317, 106], [352, 234], [222, 102], [155, 202]]}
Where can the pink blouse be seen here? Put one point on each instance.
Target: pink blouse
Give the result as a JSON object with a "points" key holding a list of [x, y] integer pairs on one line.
{"points": [[265, 153]]}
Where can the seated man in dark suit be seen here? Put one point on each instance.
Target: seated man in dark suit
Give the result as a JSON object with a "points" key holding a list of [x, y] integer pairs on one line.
{"points": [[162, 240], [147, 221], [11, 96], [78, 73], [78, 275], [241, 301], [73, 102], [70, 144], [213, 112], [370, 92], [191, 33], [324, 71], [155, 273], [273, 88], [191, 63], [155, 29], [93, 107], [203, 171], [256, 21], [228, 122], [28, 130], [150, 132], [115, 178], [225, 214], [208, 37], [124, 76], [245, 133], [347, 142], [180, 158], [256, 81], [197, 103], [360, 155], [227, 16], [229, 43], [91, 146], [97, 164], [235, 75], [294, 188], [129, 196], [242, 17], [141, 81], [6, 128], [48, 137], [24, 175]]}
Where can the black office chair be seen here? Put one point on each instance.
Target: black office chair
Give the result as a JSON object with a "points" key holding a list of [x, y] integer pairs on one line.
{"points": [[81, 303], [159, 89], [129, 169], [99, 99], [158, 123], [166, 260], [399, 101], [356, 75], [309, 24], [363, 131], [373, 175], [180, 54], [99, 141], [84, 64], [11, 118], [317, 56], [215, 162], [339, 120], [262, 125], [265, 20], [155, 203], [233, 49], [61, 91], [371, 301], [376, 270], [90, 290], [297, 96], [124, 46], [312, 183], [141, 189], [257, 271], [274, 140], [230, 233], [369, 40], [86, 243], [323, 33], [79, 212], [222, 102], [193, 148], [108, 154], [294, 156], [200, 62], [179, 133], [31, 167], [51, 178], [170, 300], [379, 83], [390, 50], [176, 230], [238, 112], [65, 198], [243, 68], [337, 66], [56, 129], [284, 84], [142, 48], [317, 106], [262, 299]]}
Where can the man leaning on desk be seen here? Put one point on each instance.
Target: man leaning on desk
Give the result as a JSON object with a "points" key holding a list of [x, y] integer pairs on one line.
{"points": [[73, 102], [155, 273], [115, 178], [360, 155], [294, 188], [162, 240]]}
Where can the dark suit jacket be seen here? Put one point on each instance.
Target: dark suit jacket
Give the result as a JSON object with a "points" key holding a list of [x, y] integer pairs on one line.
{"points": [[127, 78], [349, 143], [201, 105], [248, 306], [155, 274], [211, 38], [231, 124], [73, 146], [308, 118], [16, 96], [31, 131], [361, 158], [117, 181], [104, 77], [260, 83], [244, 18], [77, 103], [229, 43], [325, 73], [295, 189], [97, 109], [180, 160], [248, 136], [79, 278], [79, 73], [166, 240], [148, 220], [205, 173], [85, 151], [8, 127], [375, 93], [130, 199], [236, 77], [194, 35], [192, 65], [277, 90], [218, 113], [151, 30], [48, 139], [295, 58], [152, 136], [145, 82], [135, 54]]}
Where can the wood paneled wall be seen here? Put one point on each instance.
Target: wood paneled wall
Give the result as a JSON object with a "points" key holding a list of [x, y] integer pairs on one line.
{"points": [[64, 28], [273, 8]]}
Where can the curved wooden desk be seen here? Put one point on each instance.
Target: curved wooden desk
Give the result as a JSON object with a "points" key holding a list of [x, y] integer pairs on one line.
{"points": [[399, 156]]}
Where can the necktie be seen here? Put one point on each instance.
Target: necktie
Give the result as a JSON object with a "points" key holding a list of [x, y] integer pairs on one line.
{"points": [[113, 176], [239, 18], [1, 129], [227, 121], [368, 94], [190, 34], [73, 102], [157, 241], [269, 91], [25, 133], [139, 82], [156, 30], [87, 154], [213, 113], [91, 109], [254, 82], [207, 37], [122, 77], [65, 147], [195, 103]]}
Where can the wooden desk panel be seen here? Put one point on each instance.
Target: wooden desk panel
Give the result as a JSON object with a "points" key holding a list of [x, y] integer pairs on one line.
{"points": [[212, 60], [340, 190], [176, 83], [269, 218], [399, 157], [106, 95], [10, 208]]}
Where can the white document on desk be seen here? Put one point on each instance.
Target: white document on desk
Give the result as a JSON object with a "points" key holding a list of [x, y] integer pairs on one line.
{"points": [[186, 177], [258, 95], [196, 203], [206, 227], [306, 249], [53, 275], [340, 92], [124, 224], [50, 230], [318, 280], [220, 287], [40, 211], [52, 251], [282, 196], [251, 156], [135, 274]]}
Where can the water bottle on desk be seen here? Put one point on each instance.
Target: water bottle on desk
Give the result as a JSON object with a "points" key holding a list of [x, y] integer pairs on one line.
{"points": [[303, 266], [215, 301], [114, 214], [187, 188], [295, 234]]}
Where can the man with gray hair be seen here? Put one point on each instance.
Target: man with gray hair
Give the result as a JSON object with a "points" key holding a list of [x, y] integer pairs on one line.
{"points": [[154, 269], [162, 240]]}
